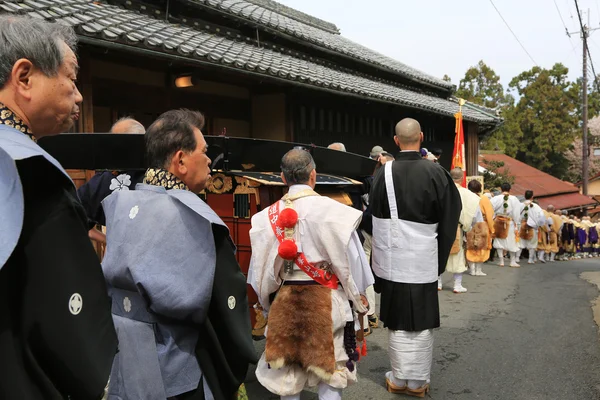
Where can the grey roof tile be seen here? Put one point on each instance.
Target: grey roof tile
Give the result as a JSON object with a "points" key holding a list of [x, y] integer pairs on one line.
{"points": [[134, 29], [263, 12]]}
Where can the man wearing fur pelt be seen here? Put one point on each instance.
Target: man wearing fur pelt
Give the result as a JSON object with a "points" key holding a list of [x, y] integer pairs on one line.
{"points": [[469, 215], [508, 220], [310, 273]]}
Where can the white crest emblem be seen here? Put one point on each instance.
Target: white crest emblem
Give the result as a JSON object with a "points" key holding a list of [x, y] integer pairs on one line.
{"points": [[121, 182], [133, 212], [231, 302], [75, 303], [127, 304]]}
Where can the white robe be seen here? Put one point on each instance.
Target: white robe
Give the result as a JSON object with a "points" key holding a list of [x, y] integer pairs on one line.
{"points": [[535, 219], [326, 231], [514, 213], [470, 206]]}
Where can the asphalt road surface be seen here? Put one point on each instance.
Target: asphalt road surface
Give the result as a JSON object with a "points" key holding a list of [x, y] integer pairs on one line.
{"points": [[525, 333]]}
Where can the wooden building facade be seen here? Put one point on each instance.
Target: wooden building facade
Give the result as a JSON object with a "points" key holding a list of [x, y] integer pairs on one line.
{"points": [[256, 69]]}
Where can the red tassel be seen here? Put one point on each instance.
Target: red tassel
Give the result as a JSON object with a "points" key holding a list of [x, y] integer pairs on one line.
{"points": [[288, 218], [364, 348], [288, 250], [358, 353]]}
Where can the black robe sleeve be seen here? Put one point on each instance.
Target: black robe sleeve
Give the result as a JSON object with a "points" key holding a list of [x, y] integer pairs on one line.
{"points": [[449, 208], [225, 347], [91, 195], [50, 347]]}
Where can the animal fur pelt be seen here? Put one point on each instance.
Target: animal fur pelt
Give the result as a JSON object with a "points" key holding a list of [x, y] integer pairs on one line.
{"points": [[526, 232], [457, 242], [478, 236], [300, 330], [501, 226]]}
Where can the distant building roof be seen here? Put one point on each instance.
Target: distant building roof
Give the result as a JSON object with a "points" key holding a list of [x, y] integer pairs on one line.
{"points": [[109, 25], [547, 189]]}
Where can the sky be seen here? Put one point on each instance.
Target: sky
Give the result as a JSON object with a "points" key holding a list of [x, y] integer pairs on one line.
{"points": [[447, 37]]}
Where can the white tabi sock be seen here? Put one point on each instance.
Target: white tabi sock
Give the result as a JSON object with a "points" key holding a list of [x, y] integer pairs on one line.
{"points": [[513, 258], [458, 280], [472, 268], [519, 254], [541, 255], [327, 392], [552, 255], [478, 270], [416, 384]]}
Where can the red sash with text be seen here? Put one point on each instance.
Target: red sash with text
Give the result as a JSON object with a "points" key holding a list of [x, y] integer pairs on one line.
{"points": [[320, 276]]}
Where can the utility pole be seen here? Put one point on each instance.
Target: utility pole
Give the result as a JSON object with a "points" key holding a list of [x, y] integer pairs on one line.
{"points": [[585, 33]]}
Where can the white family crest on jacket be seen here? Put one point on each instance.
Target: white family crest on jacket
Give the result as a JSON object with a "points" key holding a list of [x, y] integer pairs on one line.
{"points": [[121, 182]]}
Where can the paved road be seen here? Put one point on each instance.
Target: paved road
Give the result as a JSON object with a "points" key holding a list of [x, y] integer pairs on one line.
{"points": [[523, 333]]}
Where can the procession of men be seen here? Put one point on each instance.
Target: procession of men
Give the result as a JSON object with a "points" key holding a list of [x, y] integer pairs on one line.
{"points": [[165, 315]]}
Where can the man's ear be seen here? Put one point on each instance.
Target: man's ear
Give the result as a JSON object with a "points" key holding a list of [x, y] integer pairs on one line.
{"points": [[21, 75], [283, 178], [178, 162], [396, 140]]}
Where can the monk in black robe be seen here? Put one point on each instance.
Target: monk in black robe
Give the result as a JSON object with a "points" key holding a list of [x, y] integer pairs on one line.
{"points": [[415, 207]]}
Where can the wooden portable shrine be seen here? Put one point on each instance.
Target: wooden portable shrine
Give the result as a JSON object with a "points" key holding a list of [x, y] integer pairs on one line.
{"points": [[245, 177]]}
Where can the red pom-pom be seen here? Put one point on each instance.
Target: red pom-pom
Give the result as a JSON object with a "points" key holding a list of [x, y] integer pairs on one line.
{"points": [[288, 218], [288, 249], [363, 351]]}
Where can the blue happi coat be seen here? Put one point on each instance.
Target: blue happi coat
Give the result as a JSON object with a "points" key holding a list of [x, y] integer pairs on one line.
{"points": [[160, 266]]}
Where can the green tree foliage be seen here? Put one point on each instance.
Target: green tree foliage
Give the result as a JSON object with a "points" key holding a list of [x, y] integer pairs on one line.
{"points": [[545, 118], [496, 174], [447, 78], [482, 86], [543, 123]]}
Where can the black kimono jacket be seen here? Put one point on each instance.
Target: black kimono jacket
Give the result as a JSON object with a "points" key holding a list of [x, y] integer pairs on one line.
{"points": [[57, 338], [425, 193]]}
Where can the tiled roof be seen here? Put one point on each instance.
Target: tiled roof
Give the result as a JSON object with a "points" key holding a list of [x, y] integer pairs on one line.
{"points": [[257, 12], [112, 24], [566, 201], [546, 188], [528, 177], [297, 15]]}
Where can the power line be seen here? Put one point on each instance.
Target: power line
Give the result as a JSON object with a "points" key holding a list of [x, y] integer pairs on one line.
{"points": [[565, 26], [587, 48], [511, 31]]}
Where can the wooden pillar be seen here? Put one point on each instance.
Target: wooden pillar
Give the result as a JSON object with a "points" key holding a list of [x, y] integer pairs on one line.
{"points": [[87, 107], [472, 148]]}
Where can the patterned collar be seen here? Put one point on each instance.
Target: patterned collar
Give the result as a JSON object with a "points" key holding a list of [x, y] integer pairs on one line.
{"points": [[9, 118], [162, 177]]}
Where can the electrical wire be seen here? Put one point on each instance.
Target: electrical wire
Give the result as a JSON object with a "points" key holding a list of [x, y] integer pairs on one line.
{"points": [[587, 48], [511, 31]]}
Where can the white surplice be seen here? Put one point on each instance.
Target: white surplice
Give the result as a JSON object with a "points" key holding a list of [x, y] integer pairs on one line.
{"points": [[325, 232], [513, 211]]}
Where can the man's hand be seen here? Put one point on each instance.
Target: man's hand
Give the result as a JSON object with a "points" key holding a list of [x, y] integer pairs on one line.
{"points": [[96, 235], [365, 303]]}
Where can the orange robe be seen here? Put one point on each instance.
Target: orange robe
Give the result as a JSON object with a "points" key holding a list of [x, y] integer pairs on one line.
{"points": [[479, 256]]}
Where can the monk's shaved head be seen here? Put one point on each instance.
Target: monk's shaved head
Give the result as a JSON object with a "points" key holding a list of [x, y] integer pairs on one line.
{"points": [[408, 131], [456, 174]]}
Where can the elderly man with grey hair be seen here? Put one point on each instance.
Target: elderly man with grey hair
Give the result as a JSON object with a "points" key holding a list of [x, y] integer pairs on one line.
{"points": [[58, 338], [104, 183], [307, 267], [337, 146]]}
